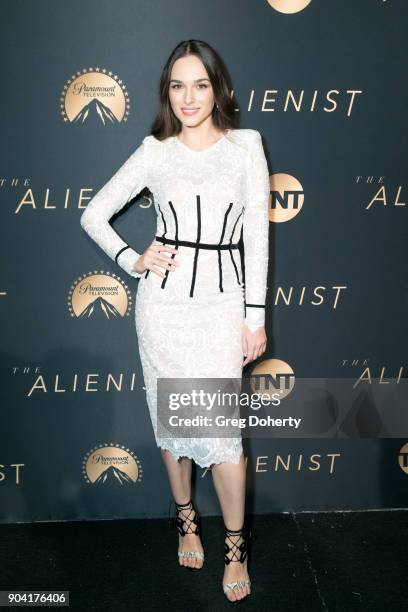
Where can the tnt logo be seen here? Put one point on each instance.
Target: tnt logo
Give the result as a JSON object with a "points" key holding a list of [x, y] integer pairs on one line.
{"points": [[403, 458], [271, 377], [287, 197]]}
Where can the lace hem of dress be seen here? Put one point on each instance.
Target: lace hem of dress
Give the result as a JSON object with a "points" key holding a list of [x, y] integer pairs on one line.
{"points": [[221, 458]]}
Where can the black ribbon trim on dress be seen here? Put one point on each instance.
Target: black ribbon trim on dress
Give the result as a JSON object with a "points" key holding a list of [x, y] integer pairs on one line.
{"points": [[231, 254], [121, 251], [219, 250], [197, 248], [176, 232], [200, 245], [164, 233]]}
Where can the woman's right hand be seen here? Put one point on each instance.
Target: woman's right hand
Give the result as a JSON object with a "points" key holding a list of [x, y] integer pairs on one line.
{"points": [[153, 260]]}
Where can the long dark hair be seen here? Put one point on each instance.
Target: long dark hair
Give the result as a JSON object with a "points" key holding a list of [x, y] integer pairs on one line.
{"points": [[224, 117]]}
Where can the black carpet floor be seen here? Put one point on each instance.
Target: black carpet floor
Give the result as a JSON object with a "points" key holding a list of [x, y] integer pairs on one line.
{"points": [[312, 562]]}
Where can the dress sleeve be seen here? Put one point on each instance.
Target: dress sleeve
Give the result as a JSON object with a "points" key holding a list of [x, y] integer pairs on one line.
{"points": [[127, 182], [256, 232]]}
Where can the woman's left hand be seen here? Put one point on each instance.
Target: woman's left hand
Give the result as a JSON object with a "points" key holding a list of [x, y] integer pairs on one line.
{"points": [[253, 343]]}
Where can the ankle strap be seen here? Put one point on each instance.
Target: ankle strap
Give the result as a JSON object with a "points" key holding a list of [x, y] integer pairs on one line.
{"points": [[184, 505]]}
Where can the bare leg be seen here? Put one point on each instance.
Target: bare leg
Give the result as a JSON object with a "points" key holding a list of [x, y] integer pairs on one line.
{"points": [[179, 473], [229, 482]]}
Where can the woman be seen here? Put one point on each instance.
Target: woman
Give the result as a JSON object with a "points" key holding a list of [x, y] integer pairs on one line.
{"points": [[194, 315]]}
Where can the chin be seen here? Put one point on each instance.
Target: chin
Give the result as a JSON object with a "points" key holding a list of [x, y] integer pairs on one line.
{"points": [[190, 122]]}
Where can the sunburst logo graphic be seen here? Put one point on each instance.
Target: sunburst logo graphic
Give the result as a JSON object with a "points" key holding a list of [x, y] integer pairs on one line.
{"points": [[111, 464], [99, 294], [94, 96]]}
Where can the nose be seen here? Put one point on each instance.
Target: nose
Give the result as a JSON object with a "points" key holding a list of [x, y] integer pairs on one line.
{"points": [[188, 98]]}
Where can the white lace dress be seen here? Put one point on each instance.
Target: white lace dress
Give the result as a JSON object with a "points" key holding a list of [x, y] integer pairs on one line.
{"points": [[189, 324]]}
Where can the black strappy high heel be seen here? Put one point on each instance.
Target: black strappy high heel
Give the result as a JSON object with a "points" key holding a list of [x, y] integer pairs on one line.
{"points": [[239, 554], [188, 524]]}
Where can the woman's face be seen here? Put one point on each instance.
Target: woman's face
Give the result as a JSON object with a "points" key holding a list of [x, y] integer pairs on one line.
{"points": [[190, 91]]}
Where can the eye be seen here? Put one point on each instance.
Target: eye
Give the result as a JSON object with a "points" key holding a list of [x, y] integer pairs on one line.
{"points": [[202, 86], [175, 86]]}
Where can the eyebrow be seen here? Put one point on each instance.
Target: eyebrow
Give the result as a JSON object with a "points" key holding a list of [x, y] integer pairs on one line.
{"points": [[196, 81]]}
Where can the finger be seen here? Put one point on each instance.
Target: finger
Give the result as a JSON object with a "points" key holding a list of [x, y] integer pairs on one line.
{"points": [[162, 260], [249, 357], [165, 262], [260, 350], [166, 259], [163, 247], [245, 349], [245, 345]]}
